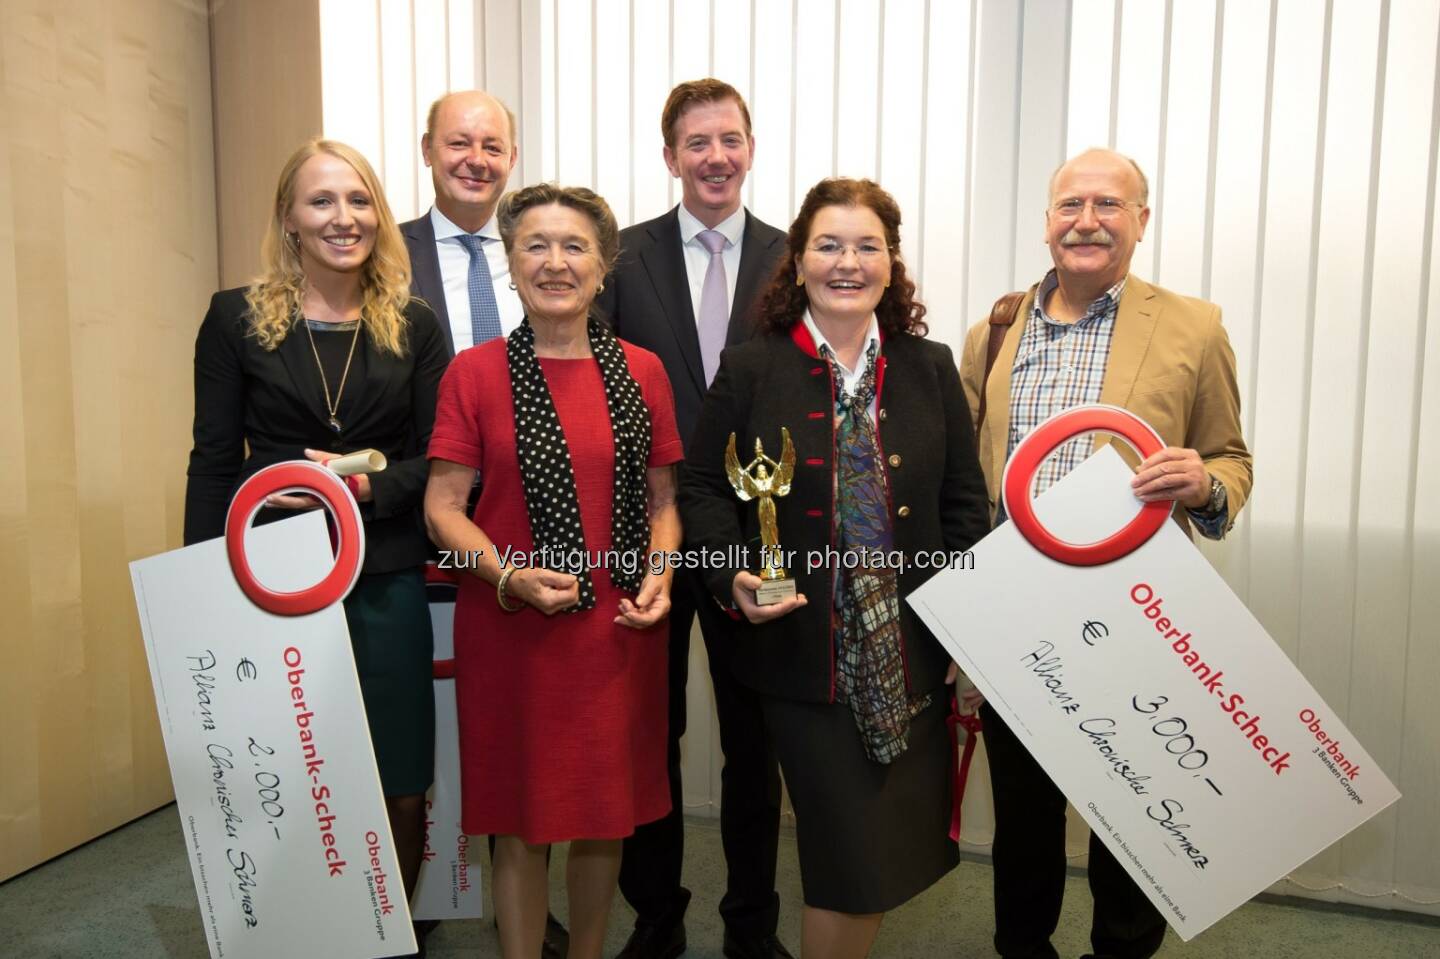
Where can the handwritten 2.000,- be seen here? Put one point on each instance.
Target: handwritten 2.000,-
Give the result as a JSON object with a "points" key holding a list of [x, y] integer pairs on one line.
{"points": [[222, 759]]}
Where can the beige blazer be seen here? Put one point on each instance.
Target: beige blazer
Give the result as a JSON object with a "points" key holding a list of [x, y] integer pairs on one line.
{"points": [[1170, 364]]}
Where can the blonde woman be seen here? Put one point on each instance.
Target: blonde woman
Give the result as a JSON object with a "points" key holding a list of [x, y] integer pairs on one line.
{"points": [[323, 354]]}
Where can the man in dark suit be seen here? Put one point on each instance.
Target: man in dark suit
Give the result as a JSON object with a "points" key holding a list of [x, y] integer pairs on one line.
{"points": [[685, 287], [457, 261]]}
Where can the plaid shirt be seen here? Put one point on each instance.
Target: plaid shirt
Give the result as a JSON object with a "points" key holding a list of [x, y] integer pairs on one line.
{"points": [[1057, 366]]}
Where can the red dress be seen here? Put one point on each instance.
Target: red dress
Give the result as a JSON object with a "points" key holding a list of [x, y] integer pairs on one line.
{"points": [[562, 718]]}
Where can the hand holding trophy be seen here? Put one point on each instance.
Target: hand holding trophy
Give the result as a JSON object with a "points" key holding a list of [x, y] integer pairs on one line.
{"points": [[763, 479]]}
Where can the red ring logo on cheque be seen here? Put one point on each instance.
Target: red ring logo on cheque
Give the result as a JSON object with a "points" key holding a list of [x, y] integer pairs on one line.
{"points": [[299, 477], [1044, 440]]}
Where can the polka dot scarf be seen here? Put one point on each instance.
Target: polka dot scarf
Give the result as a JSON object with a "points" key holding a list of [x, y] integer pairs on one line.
{"points": [[549, 478]]}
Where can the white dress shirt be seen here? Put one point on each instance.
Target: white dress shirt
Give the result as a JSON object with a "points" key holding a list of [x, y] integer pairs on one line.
{"points": [[455, 274], [849, 378], [697, 258]]}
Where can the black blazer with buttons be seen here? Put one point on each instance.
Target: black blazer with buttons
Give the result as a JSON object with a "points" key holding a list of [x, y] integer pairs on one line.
{"points": [[937, 493], [647, 300], [272, 401]]}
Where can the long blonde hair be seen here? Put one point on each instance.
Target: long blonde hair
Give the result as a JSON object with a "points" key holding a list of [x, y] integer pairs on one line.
{"points": [[276, 295]]}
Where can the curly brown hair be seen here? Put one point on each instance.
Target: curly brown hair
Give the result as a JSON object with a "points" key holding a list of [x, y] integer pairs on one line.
{"points": [[784, 303]]}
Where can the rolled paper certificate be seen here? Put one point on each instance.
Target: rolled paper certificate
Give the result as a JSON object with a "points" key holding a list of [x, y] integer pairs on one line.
{"points": [[361, 461]]}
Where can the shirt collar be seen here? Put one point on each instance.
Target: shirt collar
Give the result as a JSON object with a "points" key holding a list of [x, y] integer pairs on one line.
{"points": [[871, 336], [1102, 305], [445, 229], [732, 227]]}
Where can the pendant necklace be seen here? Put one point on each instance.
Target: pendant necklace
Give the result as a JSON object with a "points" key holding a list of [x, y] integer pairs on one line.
{"points": [[334, 407]]}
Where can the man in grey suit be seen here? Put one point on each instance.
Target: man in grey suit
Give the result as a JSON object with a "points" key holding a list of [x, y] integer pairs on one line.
{"points": [[685, 287], [457, 260]]}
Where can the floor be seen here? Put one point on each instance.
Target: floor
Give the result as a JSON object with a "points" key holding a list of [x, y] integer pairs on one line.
{"points": [[129, 894]]}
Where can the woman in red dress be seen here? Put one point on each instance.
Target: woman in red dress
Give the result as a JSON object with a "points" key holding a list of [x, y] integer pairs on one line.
{"points": [[560, 654]]}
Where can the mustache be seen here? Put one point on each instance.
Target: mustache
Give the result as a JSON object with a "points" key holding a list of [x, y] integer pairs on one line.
{"points": [[1096, 237]]}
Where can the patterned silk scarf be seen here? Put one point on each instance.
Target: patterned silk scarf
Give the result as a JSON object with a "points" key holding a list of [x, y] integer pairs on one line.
{"points": [[871, 666], [548, 477]]}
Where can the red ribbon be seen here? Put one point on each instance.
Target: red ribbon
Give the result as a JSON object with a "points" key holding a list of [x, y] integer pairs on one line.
{"points": [[434, 574], [441, 668], [960, 764]]}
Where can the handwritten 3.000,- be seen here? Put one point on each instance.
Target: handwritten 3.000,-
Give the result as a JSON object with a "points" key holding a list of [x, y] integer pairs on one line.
{"points": [[1170, 733]]}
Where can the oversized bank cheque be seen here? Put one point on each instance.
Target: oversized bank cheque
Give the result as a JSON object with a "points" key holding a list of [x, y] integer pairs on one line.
{"points": [[449, 883], [274, 774], [1156, 702]]}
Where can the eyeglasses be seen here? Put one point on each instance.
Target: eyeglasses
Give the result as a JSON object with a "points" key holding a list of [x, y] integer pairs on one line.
{"points": [[866, 252], [1105, 207]]}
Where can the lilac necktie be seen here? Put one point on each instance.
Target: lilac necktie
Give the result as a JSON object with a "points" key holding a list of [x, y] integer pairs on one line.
{"points": [[714, 318]]}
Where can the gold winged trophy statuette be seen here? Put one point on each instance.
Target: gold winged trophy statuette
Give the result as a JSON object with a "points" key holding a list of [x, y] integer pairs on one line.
{"points": [[763, 479]]}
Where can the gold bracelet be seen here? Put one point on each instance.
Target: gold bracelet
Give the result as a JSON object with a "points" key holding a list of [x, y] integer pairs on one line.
{"points": [[502, 597]]}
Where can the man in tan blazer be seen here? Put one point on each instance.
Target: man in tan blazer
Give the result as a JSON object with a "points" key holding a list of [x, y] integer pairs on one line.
{"points": [[1089, 332]]}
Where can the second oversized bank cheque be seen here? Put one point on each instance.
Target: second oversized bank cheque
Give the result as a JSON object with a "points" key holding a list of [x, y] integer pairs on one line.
{"points": [[1157, 703]]}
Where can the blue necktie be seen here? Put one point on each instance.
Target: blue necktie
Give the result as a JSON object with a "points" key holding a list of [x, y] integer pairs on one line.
{"points": [[484, 311]]}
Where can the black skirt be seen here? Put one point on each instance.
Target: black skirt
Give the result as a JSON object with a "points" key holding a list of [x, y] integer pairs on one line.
{"points": [[389, 619], [871, 836]]}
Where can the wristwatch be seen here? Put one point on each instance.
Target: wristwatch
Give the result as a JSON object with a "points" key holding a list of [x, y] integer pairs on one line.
{"points": [[1215, 505]]}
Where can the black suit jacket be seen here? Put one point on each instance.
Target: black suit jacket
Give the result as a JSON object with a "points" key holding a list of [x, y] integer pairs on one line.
{"points": [[937, 493], [426, 282], [647, 300], [272, 401]]}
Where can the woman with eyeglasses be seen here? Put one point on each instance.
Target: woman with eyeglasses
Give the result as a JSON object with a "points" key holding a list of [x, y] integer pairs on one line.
{"points": [[852, 684]]}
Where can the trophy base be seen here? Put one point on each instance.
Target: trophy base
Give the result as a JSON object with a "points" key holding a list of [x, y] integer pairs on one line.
{"points": [[772, 591]]}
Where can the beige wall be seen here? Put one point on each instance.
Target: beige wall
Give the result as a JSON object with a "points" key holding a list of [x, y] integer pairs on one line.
{"points": [[107, 258], [266, 56], [111, 241]]}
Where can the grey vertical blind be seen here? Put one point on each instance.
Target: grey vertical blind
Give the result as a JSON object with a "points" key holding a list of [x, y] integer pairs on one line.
{"points": [[1291, 151], [383, 62]]}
